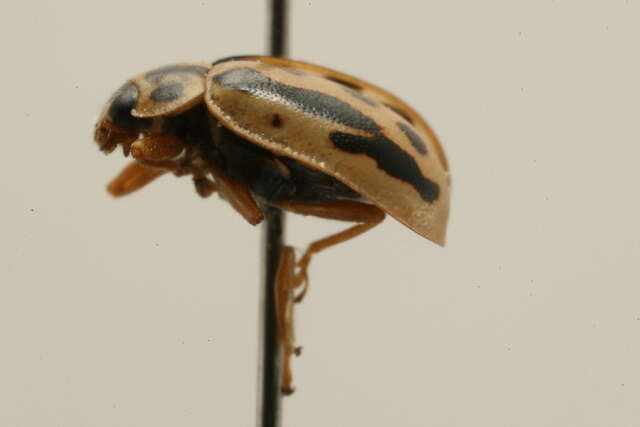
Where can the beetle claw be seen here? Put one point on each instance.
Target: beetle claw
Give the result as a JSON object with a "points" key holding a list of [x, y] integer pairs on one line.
{"points": [[302, 278], [304, 282], [288, 390]]}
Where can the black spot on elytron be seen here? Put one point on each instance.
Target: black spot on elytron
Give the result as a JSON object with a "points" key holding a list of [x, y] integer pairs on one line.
{"points": [[305, 100], [346, 83], [123, 101], [276, 121], [390, 158], [399, 112], [415, 139], [154, 76], [167, 92], [361, 97]]}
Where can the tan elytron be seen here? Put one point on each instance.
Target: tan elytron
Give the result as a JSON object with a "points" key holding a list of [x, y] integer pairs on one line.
{"points": [[261, 99]]}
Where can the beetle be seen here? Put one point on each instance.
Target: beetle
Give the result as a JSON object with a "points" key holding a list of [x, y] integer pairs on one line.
{"points": [[264, 131]]}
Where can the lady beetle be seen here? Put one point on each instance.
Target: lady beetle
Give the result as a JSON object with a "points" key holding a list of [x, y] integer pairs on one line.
{"points": [[264, 131]]}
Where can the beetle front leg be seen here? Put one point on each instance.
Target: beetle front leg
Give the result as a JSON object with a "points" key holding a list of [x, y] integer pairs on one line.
{"points": [[165, 152], [133, 177], [154, 155], [149, 154], [159, 151], [239, 196]]}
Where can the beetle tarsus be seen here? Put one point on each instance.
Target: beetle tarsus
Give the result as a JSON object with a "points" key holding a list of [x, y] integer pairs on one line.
{"points": [[284, 313]]}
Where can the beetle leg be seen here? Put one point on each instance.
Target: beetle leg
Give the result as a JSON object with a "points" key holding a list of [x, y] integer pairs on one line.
{"points": [[162, 151], [204, 186], [239, 196], [368, 216], [157, 147], [133, 177], [284, 312]]}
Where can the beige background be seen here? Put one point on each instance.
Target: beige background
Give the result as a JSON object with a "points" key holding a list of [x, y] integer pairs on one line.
{"points": [[143, 311]]}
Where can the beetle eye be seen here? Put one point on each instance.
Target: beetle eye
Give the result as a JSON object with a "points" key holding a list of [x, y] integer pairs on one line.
{"points": [[123, 101]]}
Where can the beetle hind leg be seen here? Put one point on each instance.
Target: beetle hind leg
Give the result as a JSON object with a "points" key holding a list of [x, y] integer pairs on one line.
{"points": [[368, 216], [285, 284], [288, 279]]}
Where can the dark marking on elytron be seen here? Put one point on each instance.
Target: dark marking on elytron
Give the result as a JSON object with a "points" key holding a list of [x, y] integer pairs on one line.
{"points": [[276, 121], [167, 92], [154, 76], [346, 83], [293, 71], [306, 100], [235, 58], [123, 101], [415, 139], [390, 158], [399, 112], [361, 97]]}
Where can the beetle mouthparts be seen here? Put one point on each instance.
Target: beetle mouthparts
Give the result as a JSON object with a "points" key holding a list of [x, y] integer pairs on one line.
{"points": [[102, 138], [108, 137]]}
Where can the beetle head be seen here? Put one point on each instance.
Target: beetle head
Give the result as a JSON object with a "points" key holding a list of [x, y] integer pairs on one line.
{"points": [[117, 125], [140, 105]]}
